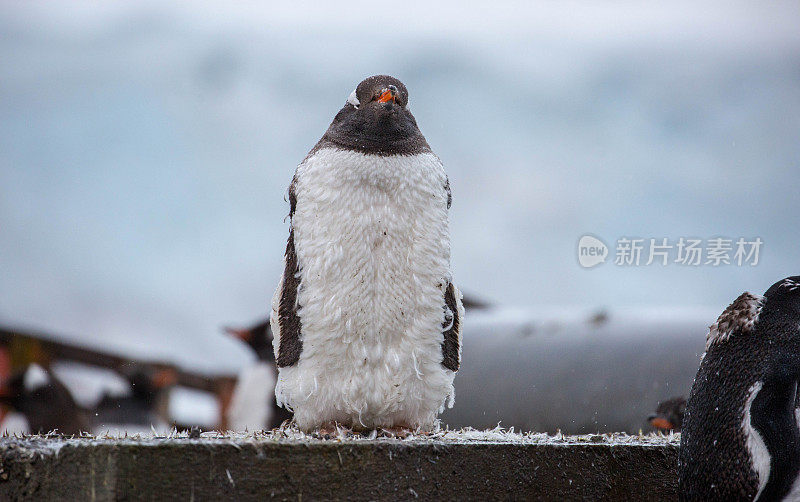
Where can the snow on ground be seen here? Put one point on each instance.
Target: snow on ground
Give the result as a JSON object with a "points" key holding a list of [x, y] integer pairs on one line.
{"points": [[291, 435]]}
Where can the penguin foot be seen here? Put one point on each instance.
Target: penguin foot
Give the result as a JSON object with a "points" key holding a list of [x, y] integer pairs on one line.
{"points": [[398, 431], [330, 430]]}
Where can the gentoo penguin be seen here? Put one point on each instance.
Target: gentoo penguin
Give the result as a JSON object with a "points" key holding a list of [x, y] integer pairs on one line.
{"points": [[669, 414], [253, 406], [367, 320], [740, 437], [45, 402], [142, 409]]}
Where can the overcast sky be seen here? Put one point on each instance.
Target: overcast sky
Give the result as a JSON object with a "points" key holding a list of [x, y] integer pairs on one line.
{"points": [[145, 151]]}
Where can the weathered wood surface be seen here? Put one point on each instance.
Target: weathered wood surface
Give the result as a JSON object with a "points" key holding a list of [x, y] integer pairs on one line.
{"points": [[450, 466]]}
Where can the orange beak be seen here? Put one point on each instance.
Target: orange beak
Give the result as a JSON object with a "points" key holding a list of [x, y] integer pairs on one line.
{"points": [[241, 334], [661, 423], [387, 95]]}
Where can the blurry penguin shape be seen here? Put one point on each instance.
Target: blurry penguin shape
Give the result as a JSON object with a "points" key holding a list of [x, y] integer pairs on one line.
{"points": [[740, 437], [253, 406], [140, 411], [669, 414], [45, 402]]}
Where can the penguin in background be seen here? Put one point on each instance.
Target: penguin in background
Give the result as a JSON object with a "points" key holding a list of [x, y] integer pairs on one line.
{"points": [[253, 406], [669, 414], [740, 437], [143, 409], [366, 318], [44, 401]]}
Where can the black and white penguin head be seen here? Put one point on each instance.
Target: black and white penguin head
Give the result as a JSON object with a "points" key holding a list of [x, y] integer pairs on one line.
{"points": [[669, 414], [784, 296], [148, 383], [376, 119], [258, 337], [781, 302], [381, 93]]}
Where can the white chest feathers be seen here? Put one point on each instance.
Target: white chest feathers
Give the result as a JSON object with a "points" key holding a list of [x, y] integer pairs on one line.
{"points": [[251, 404], [759, 455], [373, 250]]}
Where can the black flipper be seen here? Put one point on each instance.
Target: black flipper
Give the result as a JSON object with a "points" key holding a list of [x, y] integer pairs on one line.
{"points": [[449, 193], [290, 345], [772, 415], [451, 345]]}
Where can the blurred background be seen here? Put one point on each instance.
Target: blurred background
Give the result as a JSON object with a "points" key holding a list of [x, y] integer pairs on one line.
{"points": [[145, 151]]}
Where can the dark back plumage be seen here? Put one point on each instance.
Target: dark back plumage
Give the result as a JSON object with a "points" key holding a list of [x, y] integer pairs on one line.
{"points": [[755, 344]]}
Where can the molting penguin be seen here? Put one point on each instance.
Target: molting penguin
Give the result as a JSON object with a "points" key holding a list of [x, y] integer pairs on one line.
{"points": [[253, 406], [367, 321], [740, 437]]}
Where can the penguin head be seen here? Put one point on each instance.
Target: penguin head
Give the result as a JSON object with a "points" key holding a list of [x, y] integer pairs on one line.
{"points": [[376, 119], [784, 296], [778, 311], [147, 384], [379, 92], [669, 414], [258, 337]]}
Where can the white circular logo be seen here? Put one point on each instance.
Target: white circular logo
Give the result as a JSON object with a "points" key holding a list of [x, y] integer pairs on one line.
{"points": [[591, 251]]}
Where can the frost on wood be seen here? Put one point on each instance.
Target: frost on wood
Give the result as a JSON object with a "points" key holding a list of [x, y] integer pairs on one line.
{"points": [[287, 464], [291, 435]]}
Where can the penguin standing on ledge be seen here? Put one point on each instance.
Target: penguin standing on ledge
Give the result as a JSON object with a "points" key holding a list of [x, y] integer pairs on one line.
{"points": [[740, 437], [367, 321]]}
